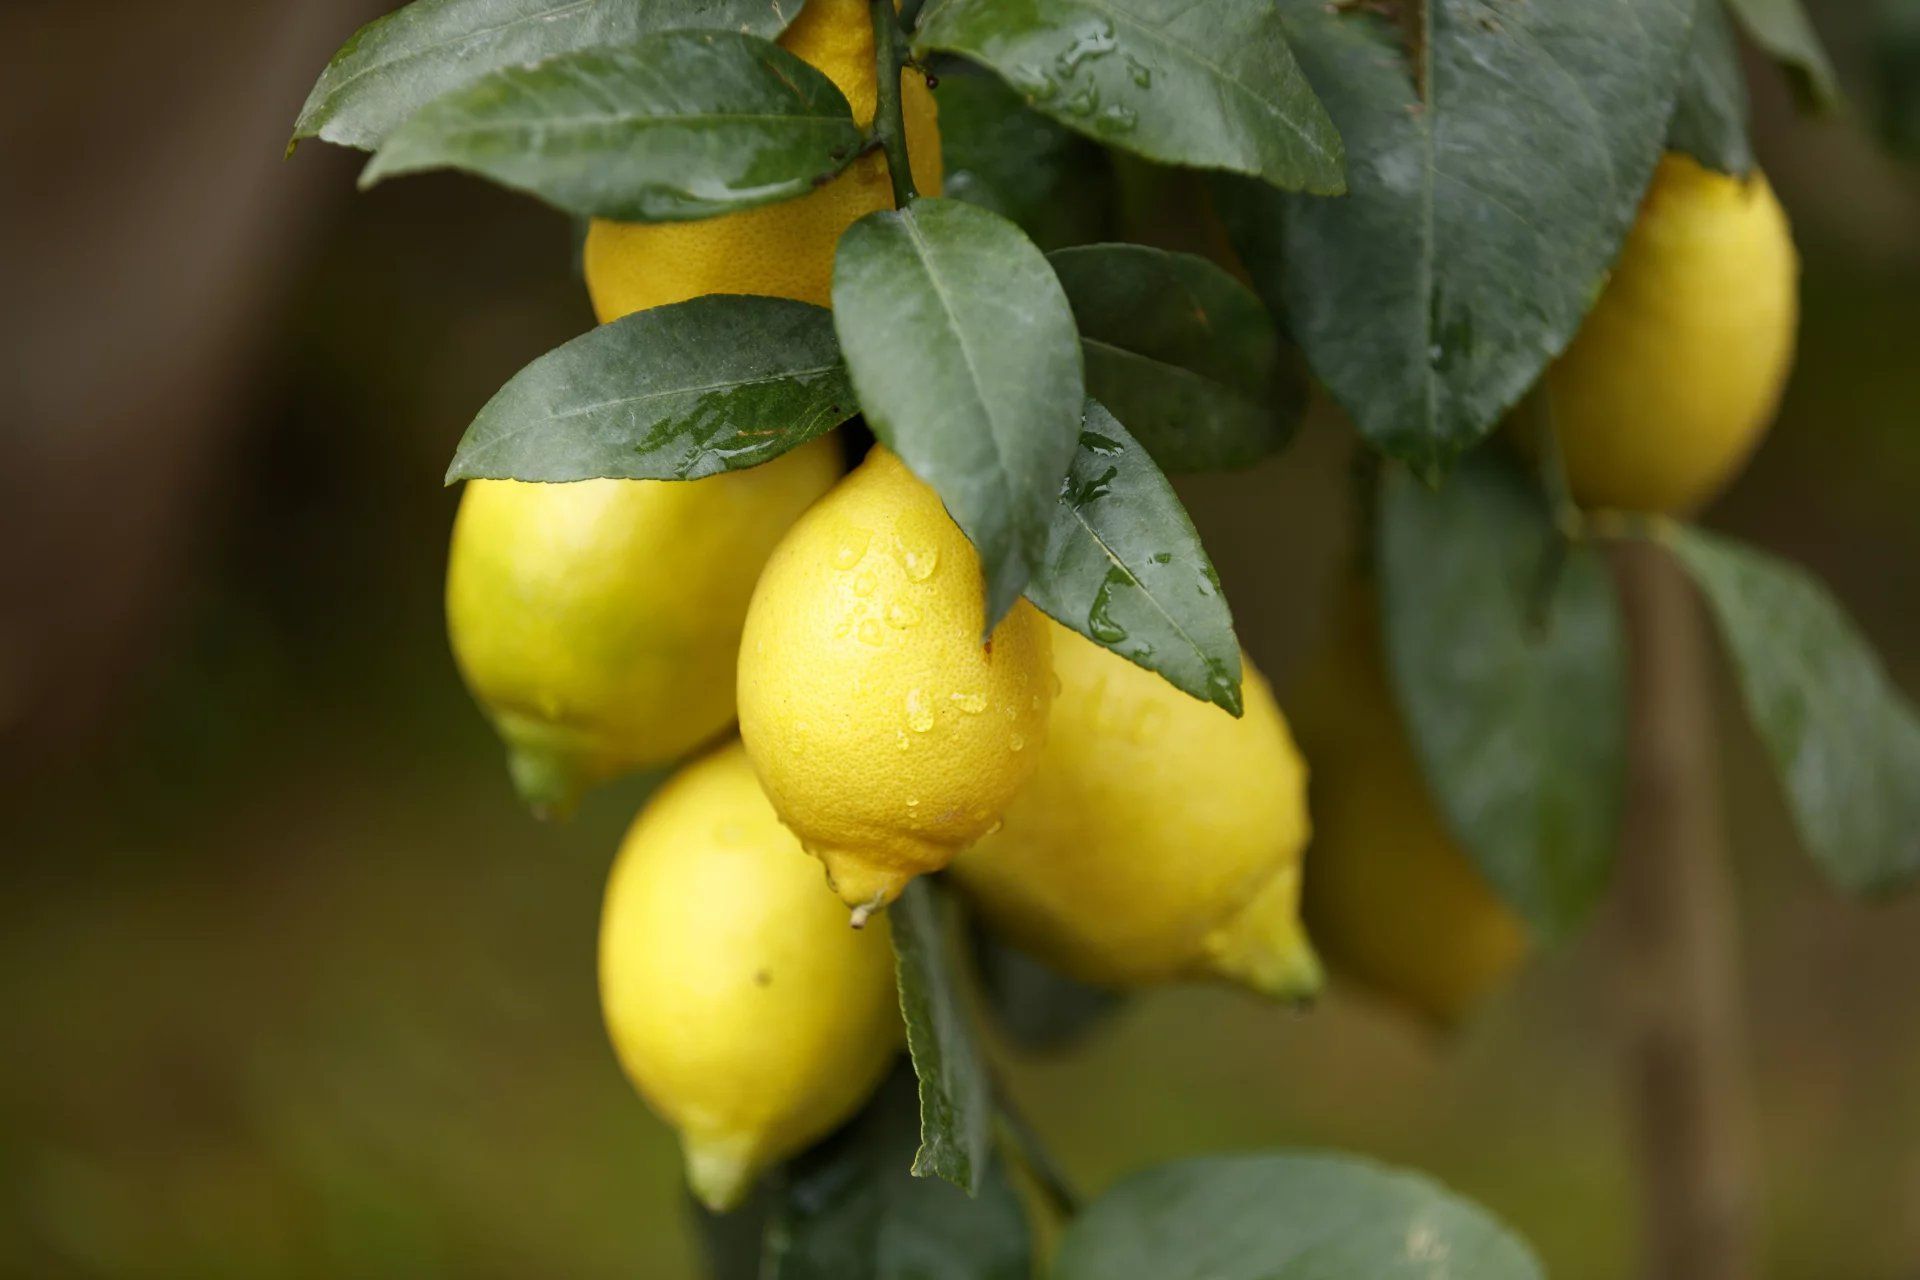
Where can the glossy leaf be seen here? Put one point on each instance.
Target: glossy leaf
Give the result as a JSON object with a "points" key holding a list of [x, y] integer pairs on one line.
{"points": [[1182, 353], [1482, 217], [682, 125], [1002, 155], [718, 383], [1284, 1216], [1125, 568], [850, 1210], [1210, 86], [967, 363], [395, 65], [1844, 740], [1710, 120], [1782, 29], [1510, 671], [956, 1102]]}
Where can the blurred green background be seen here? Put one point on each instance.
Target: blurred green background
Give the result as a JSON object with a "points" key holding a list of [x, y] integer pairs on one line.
{"points": [[292, 987]]}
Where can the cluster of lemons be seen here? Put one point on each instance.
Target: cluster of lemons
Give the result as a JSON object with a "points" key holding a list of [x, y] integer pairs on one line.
{"points": [[1117, 828]]}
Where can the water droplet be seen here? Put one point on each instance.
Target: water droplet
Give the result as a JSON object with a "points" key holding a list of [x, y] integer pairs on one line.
{"points": [[1083, 103], [919, 562], [1034, 82], [865, 584], [844, 629], [1096, 41], [1222, 687], [1119, 118], [994, 829], [901, 616], [850, 551], [919, 711], [902, 741], [913, 802], [1142, 73], [971, 703], [870, 633], [1100, 623], [1018, 742], [1165, 557]]}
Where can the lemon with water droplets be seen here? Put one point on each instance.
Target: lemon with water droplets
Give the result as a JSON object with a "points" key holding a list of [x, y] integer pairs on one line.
{"points": [[742, 1007], [786, 249], [1392, 901], [888, 734], [598, 622], [1159, 838], [1677, 371]]}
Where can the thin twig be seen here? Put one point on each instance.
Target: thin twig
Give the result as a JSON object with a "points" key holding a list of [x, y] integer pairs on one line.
{"points": [[889, 117]]}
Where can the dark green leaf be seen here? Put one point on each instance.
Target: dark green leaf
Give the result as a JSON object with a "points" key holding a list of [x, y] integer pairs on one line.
{"points": [[1282, 1216], [1896, 74], [1782, 29], [1182, 353], [1481, 222], [1125, 568], [1210, 86], [956, 1102], [717, 383], [849, 1210], [1710, 120], [1036, 1006], [1510, 669], [395, 65], [1844, 740], [964, 352], [1005, 157], [681, 125]]}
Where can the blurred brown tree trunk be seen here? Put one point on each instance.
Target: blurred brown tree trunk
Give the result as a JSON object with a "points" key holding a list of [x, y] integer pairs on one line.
{"points": [[1687, 1064], [147, 223]]}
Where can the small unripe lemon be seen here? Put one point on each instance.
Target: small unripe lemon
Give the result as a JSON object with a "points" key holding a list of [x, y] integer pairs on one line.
{"points": [[1677, 371], [1159, 839], [888, 735], [598, 622], [1391, 900], [744, 1010], [780, 250]]}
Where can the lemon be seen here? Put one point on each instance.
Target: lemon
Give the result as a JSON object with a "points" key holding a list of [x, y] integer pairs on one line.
{"points": [[1159, 839], [886, 733], [744, 1010], [1678, 369], [598, 622], [780, 250], [1391, 900]]}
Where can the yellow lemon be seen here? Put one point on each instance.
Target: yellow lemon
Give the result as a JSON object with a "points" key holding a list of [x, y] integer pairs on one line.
{"points": [[780, 250], [1390, 899], [1159, 839], [1678, 369], [744, 1010], [887, 734], [598, 622]]}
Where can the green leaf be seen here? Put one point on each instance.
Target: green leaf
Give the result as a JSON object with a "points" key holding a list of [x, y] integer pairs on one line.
{"points": [[1510, 669], [849, 1210], [1895, 65], [681, 125], [717, 383], [1782, 29], [1481, 221], [967, 363], [956, 1096], [395, 65], [1844, 740], [1003, 156], [1182, 353], [1710, 120], [1125, 568], [1210, 86], [1284, 1216]]}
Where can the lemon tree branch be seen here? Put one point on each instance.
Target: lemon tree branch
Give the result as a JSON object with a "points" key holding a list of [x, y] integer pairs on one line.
{"points": [[889, 117]]}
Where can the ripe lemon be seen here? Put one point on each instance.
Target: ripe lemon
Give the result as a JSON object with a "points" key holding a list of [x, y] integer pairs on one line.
{"points": [[1390, 899], [887, 734], [1678, 369], [1159, 839], [744, 1010], [781, 250], [598, 622]]}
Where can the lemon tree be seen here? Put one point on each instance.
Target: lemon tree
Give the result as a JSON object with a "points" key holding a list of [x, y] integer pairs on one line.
{"points": [[869, 455]]}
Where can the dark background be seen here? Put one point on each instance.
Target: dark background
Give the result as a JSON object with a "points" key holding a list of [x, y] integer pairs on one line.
{"points": [[289, 984]]}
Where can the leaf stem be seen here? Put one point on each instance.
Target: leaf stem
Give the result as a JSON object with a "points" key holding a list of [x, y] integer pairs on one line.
{"points": [[889, 117]]}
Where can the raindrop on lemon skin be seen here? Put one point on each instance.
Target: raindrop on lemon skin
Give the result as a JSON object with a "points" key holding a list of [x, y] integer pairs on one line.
{"points": [[1135, 858], [888, 727], [739, 1003]]}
